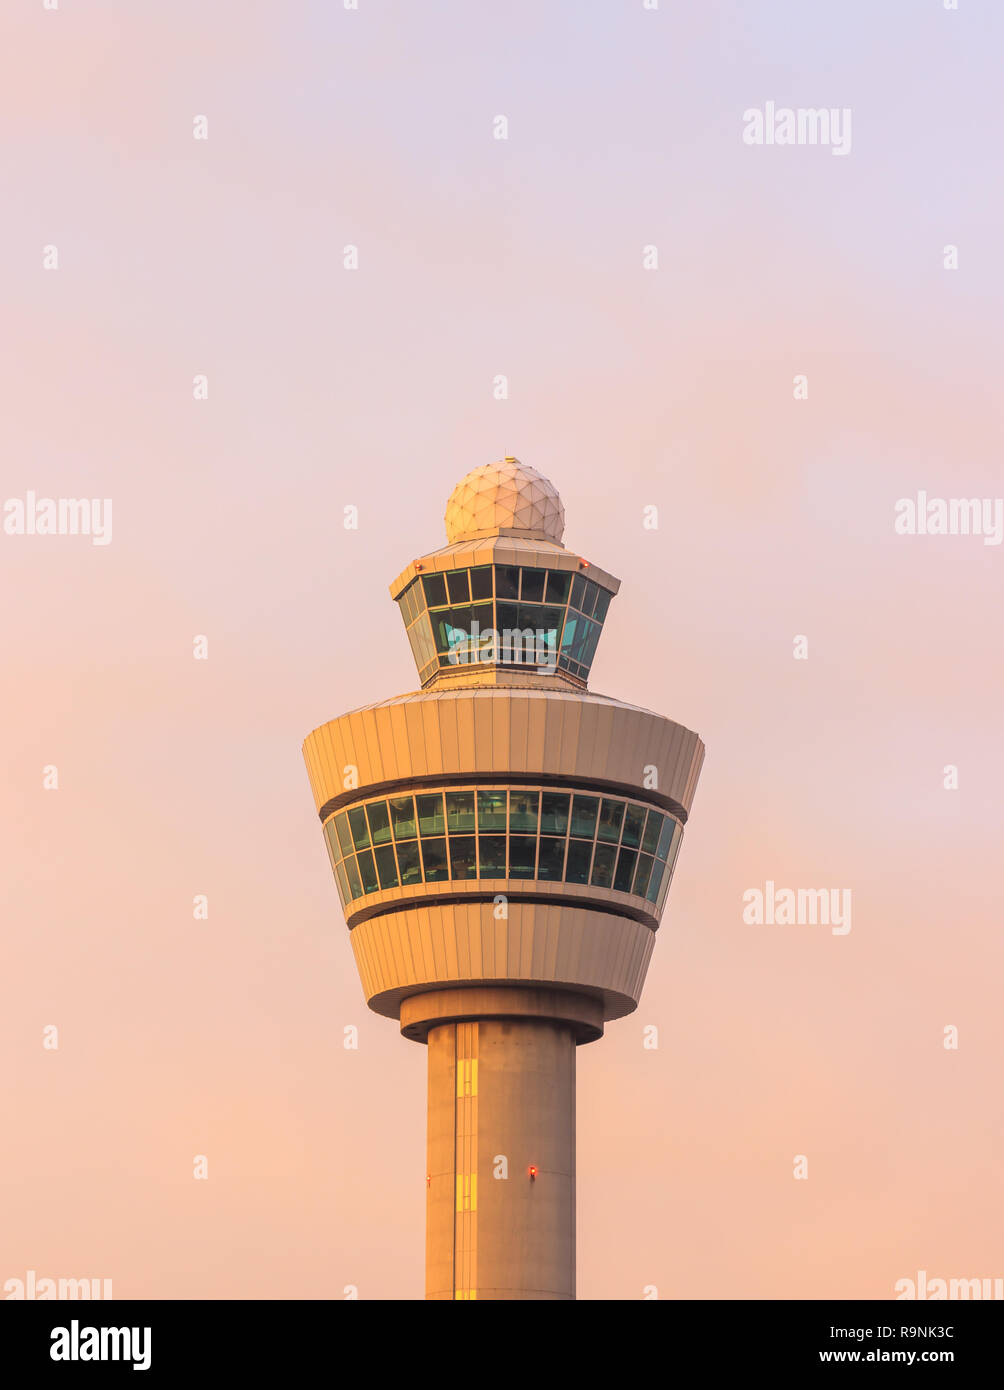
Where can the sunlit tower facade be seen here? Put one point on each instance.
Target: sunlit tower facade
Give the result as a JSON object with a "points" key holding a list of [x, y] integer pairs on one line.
{"points": [[503, 841]]}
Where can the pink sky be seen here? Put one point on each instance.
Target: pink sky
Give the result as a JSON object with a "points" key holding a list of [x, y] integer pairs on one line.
{"points": [[374, 388]]}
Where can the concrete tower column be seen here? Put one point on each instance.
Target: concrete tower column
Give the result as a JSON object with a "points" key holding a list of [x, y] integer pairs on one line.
{"points": [[501, 1142]]}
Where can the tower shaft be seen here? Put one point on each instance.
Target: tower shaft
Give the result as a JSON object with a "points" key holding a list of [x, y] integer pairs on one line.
{"points": [[501, 1139], [501, 1101]]}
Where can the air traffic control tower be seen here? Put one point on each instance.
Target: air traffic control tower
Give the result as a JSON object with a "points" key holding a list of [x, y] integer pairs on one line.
{"points": [[503, 842]]}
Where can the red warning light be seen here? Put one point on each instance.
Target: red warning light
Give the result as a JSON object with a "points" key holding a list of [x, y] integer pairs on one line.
{"points": [[533, 1172]]}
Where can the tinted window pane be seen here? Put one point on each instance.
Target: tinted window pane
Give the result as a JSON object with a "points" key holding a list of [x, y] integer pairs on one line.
{"points": [[658, 869], [481, 622], [643, 873], [457, 586], [481, 582], [343, 884], [355, 887], [367, 871], [579, 854], [651, 837], [430, 814], [523, 810], [664, 839], [589, 645], [463, 857], [360, 834], [522, 854], [442, 628], [435, 590], [584, 810], [459, 811], [578, 589], [408, 862], [554, 813], [533, 586], [634, 819], [602, 604], [491, 810], [611, 815], [402, 814], [547, 624], [491, 849], [625, 870], [603, 866], [507, 617], [379, 822], [589, 598], [558, 583], [551, 859], [674, 851], [342, 831], [434, 859], [506, 581], [386, 866], [572, 625]]}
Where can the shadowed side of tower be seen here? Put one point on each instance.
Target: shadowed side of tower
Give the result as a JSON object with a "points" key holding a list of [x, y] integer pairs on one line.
{"points": [[503, 842]]}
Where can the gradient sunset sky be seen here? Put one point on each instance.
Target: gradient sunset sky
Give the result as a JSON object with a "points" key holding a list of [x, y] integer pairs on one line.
{"points": [[628, 388]]}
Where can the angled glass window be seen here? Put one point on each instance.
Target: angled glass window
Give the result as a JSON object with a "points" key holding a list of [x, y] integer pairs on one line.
{"points": [[569, 636], [584, 810], [674, 850], [367, 870], [603, 866], [343, 884], [491, 854], [558, 584], [402, 813], [481, 582], [554, 813], [355, 886], [642, 874], [580, 852], [551, 858], [434, 860], [430, 814], [379, 821], [652, 828], [603, 598], [634, 819], [409, 862], [522, 856], [491, 810], [588, 650], [458, 586], [460, 812], [533, 586], [342, 831], [493, 834], [435, 590], [463, 857], [360, 833], [611, 816], [578, 589], [625, 870], [523, 810], [506, 581], [658, 869], [386, 865]]}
